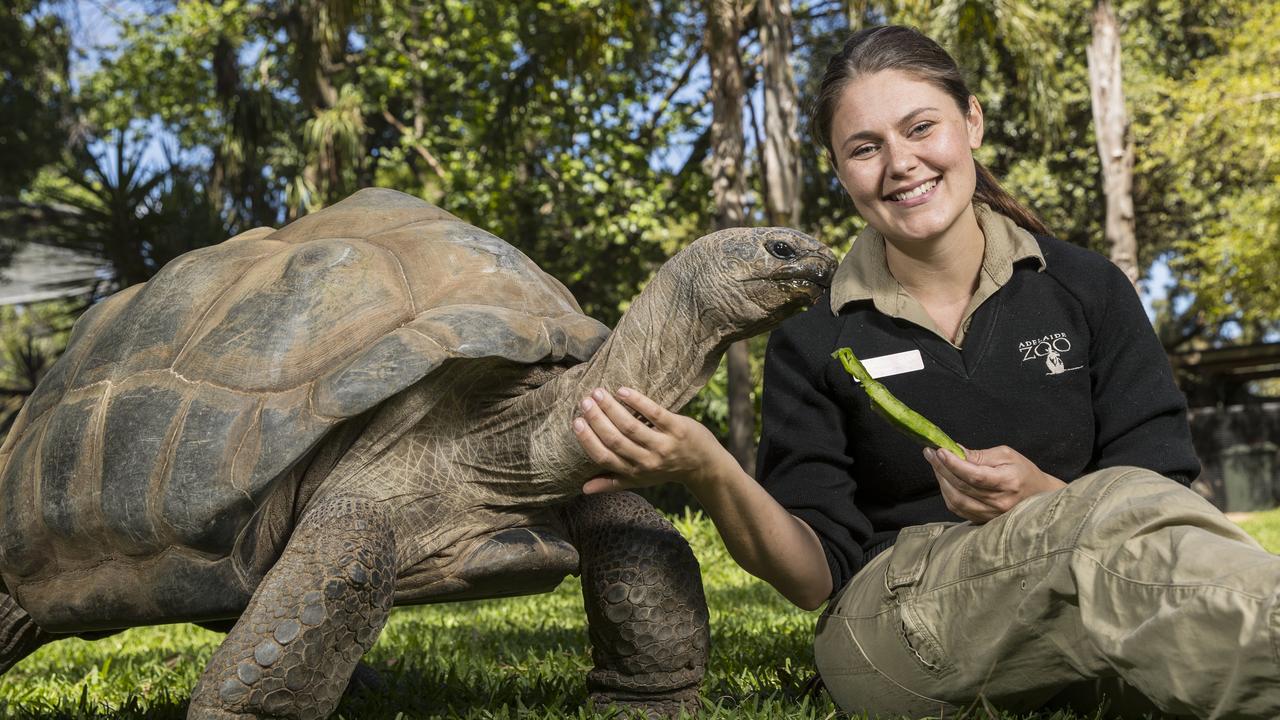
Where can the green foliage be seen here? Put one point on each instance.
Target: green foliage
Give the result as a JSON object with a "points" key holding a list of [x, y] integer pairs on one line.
{"points": [[537, 121], [1212, 147], [534, 121], [34, 91]]}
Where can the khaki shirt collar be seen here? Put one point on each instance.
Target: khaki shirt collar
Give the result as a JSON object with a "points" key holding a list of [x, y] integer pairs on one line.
{"points": [[864, 272]]}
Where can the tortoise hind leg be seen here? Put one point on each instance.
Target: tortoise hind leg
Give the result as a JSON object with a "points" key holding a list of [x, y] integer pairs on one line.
{"points": [[316, 612], [646, 611], [19, 634]]}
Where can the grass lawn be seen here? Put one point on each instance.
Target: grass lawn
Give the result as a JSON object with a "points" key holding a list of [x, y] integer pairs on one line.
{"points": [[519, 657]]}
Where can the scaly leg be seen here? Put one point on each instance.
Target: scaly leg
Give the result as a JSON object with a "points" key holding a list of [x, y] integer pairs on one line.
{"points": [[645, 606], [316, 612]]}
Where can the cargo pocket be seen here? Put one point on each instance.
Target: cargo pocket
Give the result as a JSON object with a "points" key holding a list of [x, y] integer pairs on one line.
{"points": [[907, 565]]}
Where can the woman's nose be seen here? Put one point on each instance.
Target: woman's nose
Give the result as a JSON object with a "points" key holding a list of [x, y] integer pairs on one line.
{"points": [[902, 159]]}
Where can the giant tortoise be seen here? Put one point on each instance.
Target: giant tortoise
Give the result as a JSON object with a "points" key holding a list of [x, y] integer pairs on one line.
{"points": [[294, 430]]}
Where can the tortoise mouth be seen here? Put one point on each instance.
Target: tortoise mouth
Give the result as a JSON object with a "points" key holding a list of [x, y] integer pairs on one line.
{"points": [[807, 287], [810, 278]]}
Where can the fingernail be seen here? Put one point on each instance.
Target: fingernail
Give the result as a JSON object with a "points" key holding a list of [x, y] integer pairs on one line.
{"points": [[586, 403], [928, 453], [623, 392], [579, 424], [597, 394]]}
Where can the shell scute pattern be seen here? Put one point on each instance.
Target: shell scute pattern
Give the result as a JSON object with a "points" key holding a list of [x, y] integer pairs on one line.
{"points": [[58, 464], [453, 263], [135, 446], [207, 384], [295, 314], [154, 322], [204, 515]]}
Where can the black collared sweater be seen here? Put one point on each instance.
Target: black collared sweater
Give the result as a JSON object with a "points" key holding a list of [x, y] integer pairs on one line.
{"points": [[1061, 365]]}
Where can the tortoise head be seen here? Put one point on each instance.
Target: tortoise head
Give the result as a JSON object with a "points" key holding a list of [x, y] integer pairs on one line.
{"points": [[747, 280]]}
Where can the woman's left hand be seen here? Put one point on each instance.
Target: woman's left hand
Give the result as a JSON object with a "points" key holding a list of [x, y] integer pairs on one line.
{"points": [[989, 483], [664, 447]]}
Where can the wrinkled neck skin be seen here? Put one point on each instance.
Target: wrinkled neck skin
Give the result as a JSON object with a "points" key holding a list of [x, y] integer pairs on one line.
{"points": [[663, 346]]}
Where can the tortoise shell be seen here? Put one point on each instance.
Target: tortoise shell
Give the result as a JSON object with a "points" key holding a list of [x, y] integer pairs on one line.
{"points": [[179, 403]]}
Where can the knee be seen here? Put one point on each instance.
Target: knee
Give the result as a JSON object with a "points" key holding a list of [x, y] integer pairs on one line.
{"points": [[1133, 503]]}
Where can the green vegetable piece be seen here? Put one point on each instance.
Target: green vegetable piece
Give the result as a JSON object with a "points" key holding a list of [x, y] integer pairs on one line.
{"points": [[907, 421]]}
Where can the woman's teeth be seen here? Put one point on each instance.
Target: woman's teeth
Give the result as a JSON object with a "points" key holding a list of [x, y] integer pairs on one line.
{"points": [[917, 191]]}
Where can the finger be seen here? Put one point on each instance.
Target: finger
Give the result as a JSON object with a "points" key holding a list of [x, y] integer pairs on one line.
{"points": [[608, 433], [948, 475], [603, 484], [595, 449], [626, 422], [652, 411], [985, 479], [961, 504], [991, 457]]}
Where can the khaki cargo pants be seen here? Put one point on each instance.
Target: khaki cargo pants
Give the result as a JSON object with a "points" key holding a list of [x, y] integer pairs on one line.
{"points": [[1123, 583]]}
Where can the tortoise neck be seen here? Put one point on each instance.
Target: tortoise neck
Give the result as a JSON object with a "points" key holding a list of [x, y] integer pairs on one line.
{"points": [[661, 347]]}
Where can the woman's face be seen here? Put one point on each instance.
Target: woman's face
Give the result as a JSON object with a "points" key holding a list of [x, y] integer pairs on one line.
{"points": [[904, 153]]}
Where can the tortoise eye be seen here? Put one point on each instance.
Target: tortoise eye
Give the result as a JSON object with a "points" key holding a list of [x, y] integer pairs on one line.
{"points": [[782, 250]]}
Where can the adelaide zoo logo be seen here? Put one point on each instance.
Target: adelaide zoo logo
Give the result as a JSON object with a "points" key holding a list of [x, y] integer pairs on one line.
{"points": [[1050, 348]]}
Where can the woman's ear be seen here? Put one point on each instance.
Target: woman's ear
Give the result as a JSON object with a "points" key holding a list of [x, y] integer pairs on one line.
{"points": [[973, 121]]}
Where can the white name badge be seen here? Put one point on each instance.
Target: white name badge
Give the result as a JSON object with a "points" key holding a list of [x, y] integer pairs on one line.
{"points": [[895, 364]]}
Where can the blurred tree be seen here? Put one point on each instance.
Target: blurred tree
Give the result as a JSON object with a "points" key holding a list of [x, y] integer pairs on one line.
{"points": [[34, 91], [727, 167], [548, 124], [1211, 141], [1111, 129], [780, 169], [112, 205]]}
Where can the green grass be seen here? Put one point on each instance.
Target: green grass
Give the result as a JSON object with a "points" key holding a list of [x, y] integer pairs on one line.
{"points": [[518, 657], [1265, 528]]}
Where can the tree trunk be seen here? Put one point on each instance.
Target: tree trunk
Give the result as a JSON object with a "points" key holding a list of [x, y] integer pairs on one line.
{"points": [[725, 166], [781, 117], [1115, 147], [317, 32]]}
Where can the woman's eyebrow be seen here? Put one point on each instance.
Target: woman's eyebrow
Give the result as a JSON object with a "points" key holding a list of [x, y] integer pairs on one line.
{"points": [[872, 135]]}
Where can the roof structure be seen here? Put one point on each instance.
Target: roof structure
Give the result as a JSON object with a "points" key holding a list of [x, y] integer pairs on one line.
{"points": [[1219, 375]]}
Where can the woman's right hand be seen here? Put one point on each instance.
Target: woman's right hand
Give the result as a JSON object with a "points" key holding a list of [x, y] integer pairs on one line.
{"points": [[989, 483], [669, 447]]}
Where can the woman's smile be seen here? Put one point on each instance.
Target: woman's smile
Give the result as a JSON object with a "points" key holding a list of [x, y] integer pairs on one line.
{"points": [[914, 195]]}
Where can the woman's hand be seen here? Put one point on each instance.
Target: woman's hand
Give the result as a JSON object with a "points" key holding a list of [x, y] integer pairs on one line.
{"points": [[989, 483], [669, 447]]}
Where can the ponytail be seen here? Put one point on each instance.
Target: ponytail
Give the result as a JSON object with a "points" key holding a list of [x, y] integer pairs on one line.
{"points": [[988, 191]]}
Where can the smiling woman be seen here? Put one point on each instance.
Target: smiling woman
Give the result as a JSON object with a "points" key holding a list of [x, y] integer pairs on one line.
{"points": [[1084, 557], [1083, 548]]}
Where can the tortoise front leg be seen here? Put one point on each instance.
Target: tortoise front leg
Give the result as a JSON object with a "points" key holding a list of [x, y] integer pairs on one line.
{"points": [[316, 612], [646, 611]]}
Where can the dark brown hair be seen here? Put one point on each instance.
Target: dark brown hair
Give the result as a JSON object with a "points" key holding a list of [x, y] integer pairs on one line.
{"points": [[894, 47]]}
